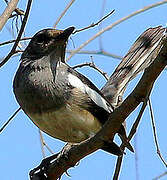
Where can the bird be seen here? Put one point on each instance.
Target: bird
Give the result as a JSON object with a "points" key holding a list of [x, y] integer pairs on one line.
{"points": [[62, 102]]}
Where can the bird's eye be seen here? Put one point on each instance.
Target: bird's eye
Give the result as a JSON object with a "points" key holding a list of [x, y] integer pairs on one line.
{"points": [[42, 38]]}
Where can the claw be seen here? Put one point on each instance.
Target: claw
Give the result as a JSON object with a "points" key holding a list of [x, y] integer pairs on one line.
{"points": [[40, 172], [68, 174]]}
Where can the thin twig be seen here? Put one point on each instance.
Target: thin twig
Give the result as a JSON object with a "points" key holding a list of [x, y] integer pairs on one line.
{"points": [[115, 24], [14, 40], [100, 25], [135, 125], [48, 148], [131, 134], [161, 175], [92, 65], [17, 53], [42, 143], [19, 35], [136, 158], [7, 12], [12, 32], [93, 24], [155, 134], [8, 121], [62, 14], [19, 12], [101, 52]]}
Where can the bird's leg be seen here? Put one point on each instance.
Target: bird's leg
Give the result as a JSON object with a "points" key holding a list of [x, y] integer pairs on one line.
{"points": [[40, 171], [65, 150]]}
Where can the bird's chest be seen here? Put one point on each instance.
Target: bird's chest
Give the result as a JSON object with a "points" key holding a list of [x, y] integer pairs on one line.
{"points": [[69, 123], [36, 90]]}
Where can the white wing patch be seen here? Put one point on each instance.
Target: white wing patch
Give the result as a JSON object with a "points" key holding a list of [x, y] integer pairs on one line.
{"points": [[97, 98]]}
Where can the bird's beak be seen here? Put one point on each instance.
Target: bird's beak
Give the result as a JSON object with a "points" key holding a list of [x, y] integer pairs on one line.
{"points": [[62, 35], [67, 32]]}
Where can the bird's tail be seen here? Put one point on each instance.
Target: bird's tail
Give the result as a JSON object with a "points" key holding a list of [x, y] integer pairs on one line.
{"points": [[139, 57], [112, 148]]}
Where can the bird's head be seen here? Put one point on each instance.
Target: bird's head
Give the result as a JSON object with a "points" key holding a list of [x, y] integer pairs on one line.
{"points": [[47, 41]]}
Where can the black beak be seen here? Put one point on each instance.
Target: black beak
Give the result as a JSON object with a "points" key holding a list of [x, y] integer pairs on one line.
{"points": [[65, 34]]}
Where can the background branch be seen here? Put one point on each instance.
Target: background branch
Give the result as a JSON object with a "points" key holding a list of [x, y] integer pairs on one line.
{"points": [[19, 35], [100, 52], [115, 24], [155, 134], [92, 65], [161, 175], [14, 40], [63, 13], [94, 24], [43, 144], [9, 120], [131, 134], [7, 12]]}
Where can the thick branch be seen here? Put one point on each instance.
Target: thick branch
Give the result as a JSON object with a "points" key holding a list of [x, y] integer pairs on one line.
{"points": [[77, 152], [8, 11]]}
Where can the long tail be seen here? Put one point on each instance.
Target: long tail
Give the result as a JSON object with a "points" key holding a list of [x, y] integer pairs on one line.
{"points": [[139, 57]]}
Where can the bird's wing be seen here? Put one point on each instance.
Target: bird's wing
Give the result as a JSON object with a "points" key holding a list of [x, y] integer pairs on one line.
{"points": [[82, 83], [99, 106]]}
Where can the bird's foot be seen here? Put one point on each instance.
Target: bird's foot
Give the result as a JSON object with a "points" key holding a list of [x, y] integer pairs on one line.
{"points": [[40, 171]]}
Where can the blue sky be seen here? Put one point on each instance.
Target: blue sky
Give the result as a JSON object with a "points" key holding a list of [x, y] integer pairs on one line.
{"points": [[20, 145]]}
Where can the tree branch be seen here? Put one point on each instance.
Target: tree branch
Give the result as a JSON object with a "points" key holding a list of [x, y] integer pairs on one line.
{"points": [[43, 144], [131, 134], [63, 13], [14, 40], [155, 134], [94, 24], [7, 12], [9, 120], [101, 52], [92, 65], [161, 175], [19, 35]]}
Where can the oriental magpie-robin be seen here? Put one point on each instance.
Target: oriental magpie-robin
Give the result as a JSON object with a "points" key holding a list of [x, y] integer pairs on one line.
{"points": [[59, 100]]}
